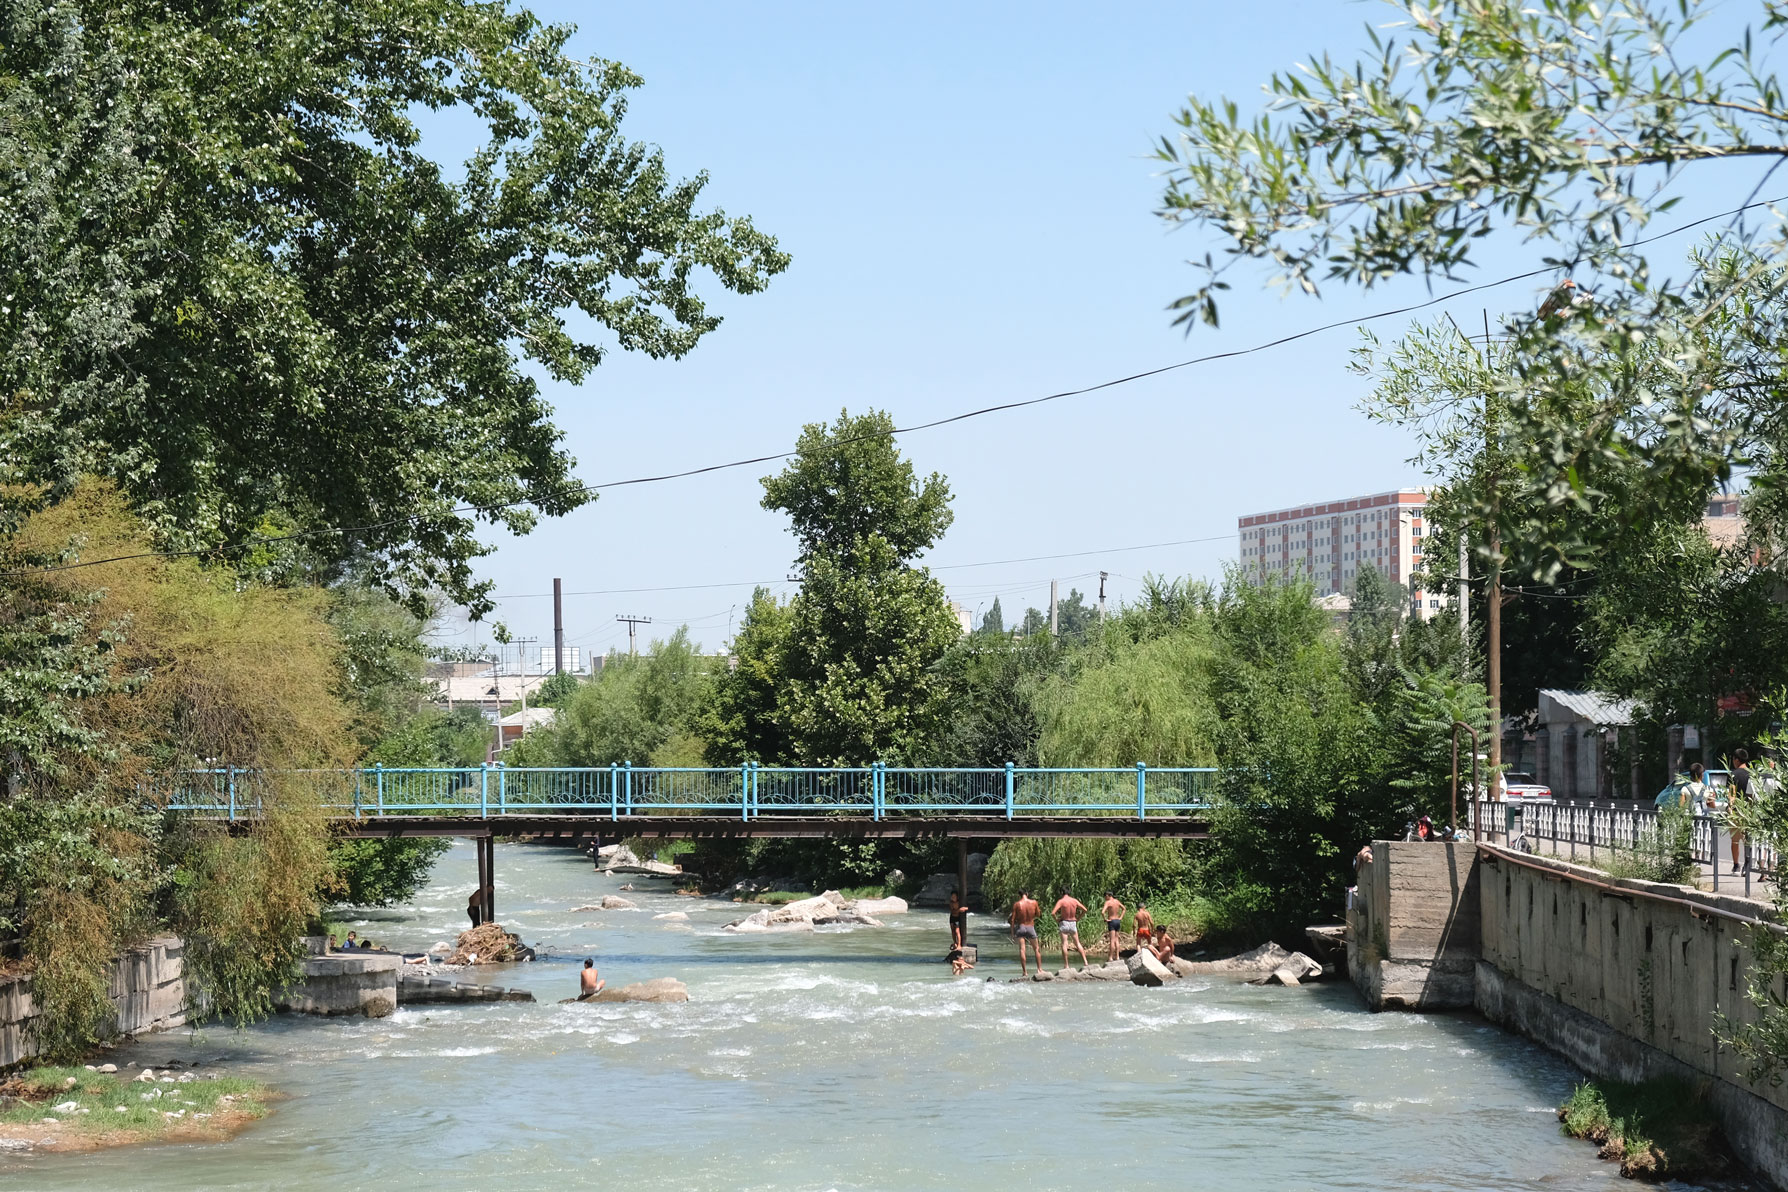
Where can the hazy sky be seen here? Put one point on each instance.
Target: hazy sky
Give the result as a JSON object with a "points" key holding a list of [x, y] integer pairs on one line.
{"points": [[968, 198]]}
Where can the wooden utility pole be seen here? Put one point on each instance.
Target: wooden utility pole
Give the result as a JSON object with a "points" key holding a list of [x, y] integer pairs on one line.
{"points": [[1493, 580]]}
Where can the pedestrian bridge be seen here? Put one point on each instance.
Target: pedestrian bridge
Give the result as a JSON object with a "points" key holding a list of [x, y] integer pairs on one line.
{"points": [[749, 800]]}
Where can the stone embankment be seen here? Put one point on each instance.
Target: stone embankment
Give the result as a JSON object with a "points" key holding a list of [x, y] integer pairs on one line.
{"points": [[147, 989], [1626, 979], [823, 910]]}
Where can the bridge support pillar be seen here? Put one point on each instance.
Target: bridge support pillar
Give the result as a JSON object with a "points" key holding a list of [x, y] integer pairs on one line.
{"points": [[487, 876], [962, 868]]}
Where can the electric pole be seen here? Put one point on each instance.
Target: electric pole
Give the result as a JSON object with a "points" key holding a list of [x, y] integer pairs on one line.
{"points": [[1052, 608], [1493, 580], [558, 627], [633, 624], [1102, 576]]}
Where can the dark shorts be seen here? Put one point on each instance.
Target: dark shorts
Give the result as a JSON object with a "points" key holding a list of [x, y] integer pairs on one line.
{"points": [[1114, 924], [1027, 931]]}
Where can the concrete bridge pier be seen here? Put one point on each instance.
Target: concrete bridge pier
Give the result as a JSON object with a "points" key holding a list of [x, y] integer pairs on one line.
{"points": [[487, 876]]}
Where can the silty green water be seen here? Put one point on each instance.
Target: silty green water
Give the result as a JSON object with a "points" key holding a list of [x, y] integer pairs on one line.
{"points": [[849, 1060]]}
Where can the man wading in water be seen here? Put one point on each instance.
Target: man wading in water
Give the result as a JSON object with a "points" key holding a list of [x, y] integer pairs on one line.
{"points": [[1068, 910], [588, 983], [1023, 921]]}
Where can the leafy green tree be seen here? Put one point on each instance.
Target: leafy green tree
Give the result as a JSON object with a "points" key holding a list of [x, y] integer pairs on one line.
{"points": [[854, 674], [989, 690], [741, 724], [848, 484], [1126, 700], [558, 688], [994, 622], [232, 278], [1074, 618], [643, 710]]}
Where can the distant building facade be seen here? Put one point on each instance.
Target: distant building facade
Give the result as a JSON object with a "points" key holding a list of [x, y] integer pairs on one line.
{"points": [[1330, 543]]}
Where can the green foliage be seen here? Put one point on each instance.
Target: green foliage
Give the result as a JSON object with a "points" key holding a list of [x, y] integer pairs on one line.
{"points": [[433, 738], [113, 1103], [995, 621], [1089, 869], [557, 690], [1124, 700], [1761, 1044], [383, 872], [236, 283], [848, 484], [1658, 1129], [1074, 618], [643, 710], [1663, 853], [741, 725], [989, 689]]}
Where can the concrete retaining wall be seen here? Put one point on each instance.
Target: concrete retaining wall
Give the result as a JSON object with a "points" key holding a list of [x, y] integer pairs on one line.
{"points": [[344, 983], [1625, 987], [148, 993]]}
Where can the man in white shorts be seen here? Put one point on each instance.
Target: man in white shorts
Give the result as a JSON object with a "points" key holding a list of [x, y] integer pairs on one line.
{"points": [[1067, 912]]}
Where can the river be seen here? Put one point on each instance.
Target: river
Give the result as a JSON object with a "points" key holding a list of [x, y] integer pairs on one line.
{"points": [[848, 1060]]}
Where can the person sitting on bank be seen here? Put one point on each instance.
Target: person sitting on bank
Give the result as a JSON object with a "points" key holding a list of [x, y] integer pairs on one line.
{"points": [[1164, 947], [351, 943], [589, 984], [958, 921], [332, 945]]}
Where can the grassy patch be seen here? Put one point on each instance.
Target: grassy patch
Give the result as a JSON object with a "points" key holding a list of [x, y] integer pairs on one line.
{"points": [[852, 893], [1659, 1129], [82, 1107], [778, 897]]}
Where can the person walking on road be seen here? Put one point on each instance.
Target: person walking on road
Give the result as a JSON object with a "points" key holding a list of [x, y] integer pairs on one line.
{"points": [[1067, 912], [1023, 921], [1114, 926]]}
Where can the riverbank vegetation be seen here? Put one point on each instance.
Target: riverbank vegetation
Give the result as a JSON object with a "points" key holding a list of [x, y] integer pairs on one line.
{"points": [[79, 1108], [1656, 1130], [266, 369]]}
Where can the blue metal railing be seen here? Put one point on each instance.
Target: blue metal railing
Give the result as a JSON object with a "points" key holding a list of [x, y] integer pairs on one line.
{"points": [[748, 791]]}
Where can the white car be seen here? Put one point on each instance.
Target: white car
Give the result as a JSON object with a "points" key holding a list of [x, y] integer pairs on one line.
{"points": [[1520, 787]]}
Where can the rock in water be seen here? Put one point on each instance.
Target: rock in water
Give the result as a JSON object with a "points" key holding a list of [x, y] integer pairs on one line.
{"points": [[658, 989], [488, 944], [879, 906], [1296, 969], [615, 902], [1146, 970]]}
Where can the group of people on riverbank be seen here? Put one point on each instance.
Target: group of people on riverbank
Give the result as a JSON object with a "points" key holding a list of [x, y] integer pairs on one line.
{"points": [[1068, 911]]}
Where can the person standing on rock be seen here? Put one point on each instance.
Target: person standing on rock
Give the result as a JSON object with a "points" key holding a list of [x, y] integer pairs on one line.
{"points": [[958, 921], [1114, 925], [1067, 912], [1023, 921], [589, 984], [1145, 925]]}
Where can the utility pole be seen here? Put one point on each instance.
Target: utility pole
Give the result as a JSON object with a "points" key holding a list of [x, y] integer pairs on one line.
{"points": [[558, 628], [1493, 580], [1102, 576], [633, 624], [1052, 609]]}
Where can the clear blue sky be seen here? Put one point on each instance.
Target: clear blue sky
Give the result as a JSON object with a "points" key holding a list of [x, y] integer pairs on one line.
{"points": [[968, 199]]}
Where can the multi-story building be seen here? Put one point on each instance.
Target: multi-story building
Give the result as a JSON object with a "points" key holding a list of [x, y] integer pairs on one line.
{"points": [[1331, 543]]}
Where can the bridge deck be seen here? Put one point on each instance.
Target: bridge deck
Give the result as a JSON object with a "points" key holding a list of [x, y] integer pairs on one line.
{"points": [[715, 827]]}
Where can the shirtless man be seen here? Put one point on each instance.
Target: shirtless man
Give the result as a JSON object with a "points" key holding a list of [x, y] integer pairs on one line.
{"points": [[1023, 921], [1067, 912], [1164, 947], [588, 983], [1114, 926], [1145, 925]]}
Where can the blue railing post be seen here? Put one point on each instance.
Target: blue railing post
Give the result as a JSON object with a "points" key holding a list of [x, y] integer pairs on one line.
{"points": [[614, 791], [628, 771], [380, 774], [875, 791], [230, 780], [744, 790], [1142, 777], [755, 809], [484, 791], [502, 789], [1009, 780]]}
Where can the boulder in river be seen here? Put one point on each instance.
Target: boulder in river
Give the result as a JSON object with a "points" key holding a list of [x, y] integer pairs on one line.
{"points": [[1146, 970], [1255, 962], [615, 902], [880, 906], [760, 922], [1296, 969], [658, 989]]}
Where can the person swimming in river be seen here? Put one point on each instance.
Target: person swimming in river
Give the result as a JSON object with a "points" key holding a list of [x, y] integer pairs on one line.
{"points": [[960, 961], [1023, 921], [1067, 912], [589, 984]]}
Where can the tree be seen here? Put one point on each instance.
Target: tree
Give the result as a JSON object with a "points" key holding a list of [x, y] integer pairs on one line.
{"points": [[989, 687], [644, 710], [848, 484], [741, 724], [854, 676], [994, 622], [232, 279]]}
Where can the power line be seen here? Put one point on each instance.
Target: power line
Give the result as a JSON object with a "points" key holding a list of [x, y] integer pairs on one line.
{"points": [[575, 490]]}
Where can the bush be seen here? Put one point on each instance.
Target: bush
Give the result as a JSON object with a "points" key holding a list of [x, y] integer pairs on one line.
{"points": [[1663, 854], [1658, 1129]]}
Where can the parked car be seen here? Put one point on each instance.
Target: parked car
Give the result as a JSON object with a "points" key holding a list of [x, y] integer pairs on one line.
{"points": [[1521, 787]]}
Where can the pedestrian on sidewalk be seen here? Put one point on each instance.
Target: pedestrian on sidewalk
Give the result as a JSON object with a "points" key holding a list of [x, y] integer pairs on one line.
{"points": [[1741, 789]]}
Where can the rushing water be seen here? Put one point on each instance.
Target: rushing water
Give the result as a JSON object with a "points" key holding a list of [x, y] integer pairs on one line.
{"points": [[849, 1060]]}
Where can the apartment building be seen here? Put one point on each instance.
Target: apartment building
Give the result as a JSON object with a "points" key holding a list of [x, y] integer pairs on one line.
{"points": [[1330, 543]]}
